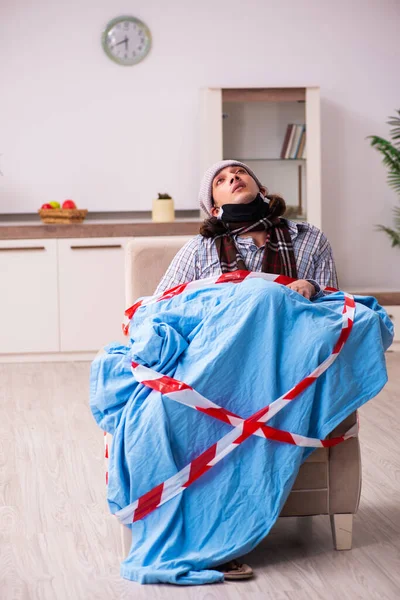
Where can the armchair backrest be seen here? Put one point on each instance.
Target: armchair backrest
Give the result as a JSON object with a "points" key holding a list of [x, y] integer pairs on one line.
{"points": [[146, 260]]}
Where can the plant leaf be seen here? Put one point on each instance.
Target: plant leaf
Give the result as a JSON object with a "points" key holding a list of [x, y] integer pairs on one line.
{"points": [[391, 159], [396, 211], [394, 235], [390, 152], [394, 122]]}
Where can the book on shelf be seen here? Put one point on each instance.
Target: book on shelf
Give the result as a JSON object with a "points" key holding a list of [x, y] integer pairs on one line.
{"points": [[286, 140], [302, 146], [290, 142], [294, 142]]}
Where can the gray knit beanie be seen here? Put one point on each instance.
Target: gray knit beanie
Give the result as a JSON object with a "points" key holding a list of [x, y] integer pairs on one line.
{"points": [[205, 194]]}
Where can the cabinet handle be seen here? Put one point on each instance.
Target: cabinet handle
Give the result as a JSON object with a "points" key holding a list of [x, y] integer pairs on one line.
{"points": [[95, 247], [22, 248]]}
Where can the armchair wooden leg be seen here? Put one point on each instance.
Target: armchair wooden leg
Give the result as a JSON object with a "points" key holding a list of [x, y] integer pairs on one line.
{"points": [[342, 531], [126, 538]]}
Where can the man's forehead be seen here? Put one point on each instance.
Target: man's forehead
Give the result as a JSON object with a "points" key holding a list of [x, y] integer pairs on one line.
{"points": [[230, 169]]}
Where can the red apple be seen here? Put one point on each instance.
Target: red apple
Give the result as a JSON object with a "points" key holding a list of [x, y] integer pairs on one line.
{"points": [[68, 204], [47, 207]]}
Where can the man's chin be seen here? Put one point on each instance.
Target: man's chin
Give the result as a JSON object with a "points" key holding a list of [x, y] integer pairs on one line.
{"points": [[244, 198]]}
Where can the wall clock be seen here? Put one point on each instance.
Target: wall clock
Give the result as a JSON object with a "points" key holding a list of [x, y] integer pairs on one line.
{"points": [[126, 40]]}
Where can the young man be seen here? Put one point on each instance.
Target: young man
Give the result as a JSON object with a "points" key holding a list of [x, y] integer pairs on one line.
{"points": [[245, 230]]}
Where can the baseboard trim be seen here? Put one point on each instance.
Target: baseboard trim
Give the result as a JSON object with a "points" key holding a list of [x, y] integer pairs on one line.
{"points": [[48, 357], [395, 347], [83, 356]]}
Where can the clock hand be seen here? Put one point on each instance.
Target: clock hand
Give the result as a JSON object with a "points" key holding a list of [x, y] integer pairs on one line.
{"points": [[121, 42]]}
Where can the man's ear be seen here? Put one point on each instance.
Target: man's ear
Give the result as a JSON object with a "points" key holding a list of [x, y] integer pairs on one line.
{"points": [[214, 211], [263, 190]]}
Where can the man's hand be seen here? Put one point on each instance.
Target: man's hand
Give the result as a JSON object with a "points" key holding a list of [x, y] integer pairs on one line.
{"points": [[303, 287]]}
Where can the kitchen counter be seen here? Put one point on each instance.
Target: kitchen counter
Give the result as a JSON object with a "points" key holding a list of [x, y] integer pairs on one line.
{"points": [[98, 228]]}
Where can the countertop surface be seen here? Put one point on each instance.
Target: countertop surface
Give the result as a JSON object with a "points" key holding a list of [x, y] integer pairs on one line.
{"points": [[98, 228]]}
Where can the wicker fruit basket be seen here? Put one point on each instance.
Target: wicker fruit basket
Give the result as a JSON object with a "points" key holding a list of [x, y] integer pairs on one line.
{"points": [[62, 216]]}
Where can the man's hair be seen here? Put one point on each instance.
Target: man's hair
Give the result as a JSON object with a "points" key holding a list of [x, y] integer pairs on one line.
{"points": [[212, 226]]}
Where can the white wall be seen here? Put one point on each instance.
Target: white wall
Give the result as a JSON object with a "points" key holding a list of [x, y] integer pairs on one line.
{"points": [[74, 124]]}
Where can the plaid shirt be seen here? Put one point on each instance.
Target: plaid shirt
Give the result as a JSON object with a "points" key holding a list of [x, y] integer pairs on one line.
{"points": [[198, 258]]}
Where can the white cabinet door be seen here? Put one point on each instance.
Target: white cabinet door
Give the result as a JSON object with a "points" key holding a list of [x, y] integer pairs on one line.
{"points": [[91, 287], [29, 296]]}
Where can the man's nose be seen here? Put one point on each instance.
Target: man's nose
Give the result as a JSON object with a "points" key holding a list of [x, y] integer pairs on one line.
{"points": [[234, 177]]}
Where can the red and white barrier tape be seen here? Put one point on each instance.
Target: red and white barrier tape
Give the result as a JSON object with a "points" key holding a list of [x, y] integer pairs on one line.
{"points": [[234, 277], [184, 394], [204, 462]]}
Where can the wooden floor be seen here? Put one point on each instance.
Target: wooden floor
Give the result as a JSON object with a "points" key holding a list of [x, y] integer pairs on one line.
{"points": [[58, 542]]}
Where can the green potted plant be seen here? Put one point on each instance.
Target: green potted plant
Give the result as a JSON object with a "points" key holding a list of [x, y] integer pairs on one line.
{"points": [[390, 151], [163, 209]]}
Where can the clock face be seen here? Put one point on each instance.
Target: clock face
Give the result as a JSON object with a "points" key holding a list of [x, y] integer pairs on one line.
{"points": [[126, 40]]}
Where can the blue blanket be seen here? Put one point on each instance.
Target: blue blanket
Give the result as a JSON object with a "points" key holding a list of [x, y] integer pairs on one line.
{"points": [[241, 346]]}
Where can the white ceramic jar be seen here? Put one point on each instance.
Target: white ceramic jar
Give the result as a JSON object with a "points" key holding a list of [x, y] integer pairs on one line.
{"points": [[163, 210]]}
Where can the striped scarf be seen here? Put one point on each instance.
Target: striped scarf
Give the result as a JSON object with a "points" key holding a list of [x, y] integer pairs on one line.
{"points": [[278, 252]]}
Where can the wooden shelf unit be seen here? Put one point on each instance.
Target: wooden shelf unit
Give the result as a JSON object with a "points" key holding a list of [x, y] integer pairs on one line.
{"points": [[305, 183]]}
